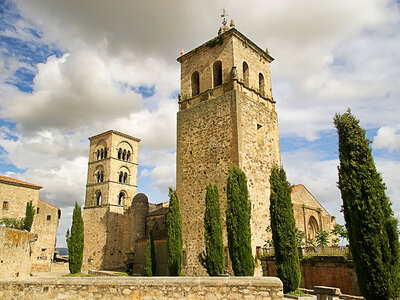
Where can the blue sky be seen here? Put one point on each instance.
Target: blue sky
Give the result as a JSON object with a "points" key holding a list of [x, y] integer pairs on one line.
{"points": [[73, 69]]}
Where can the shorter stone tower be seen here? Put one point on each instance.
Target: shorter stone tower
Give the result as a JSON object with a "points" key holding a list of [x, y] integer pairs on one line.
{"points": [[111, 186]]}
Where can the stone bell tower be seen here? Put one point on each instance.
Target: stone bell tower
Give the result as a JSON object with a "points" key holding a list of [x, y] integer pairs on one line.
{"points": [[111, 186], [226, 117]]}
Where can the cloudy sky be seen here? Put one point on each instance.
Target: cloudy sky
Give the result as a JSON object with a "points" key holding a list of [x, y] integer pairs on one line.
{"points": [[73, 69]]}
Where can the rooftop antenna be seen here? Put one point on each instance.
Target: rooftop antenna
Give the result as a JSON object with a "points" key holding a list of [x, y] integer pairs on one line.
{"points": [[224, 14]]}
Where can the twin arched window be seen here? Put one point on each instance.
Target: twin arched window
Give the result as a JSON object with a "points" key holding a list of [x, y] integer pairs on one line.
{"points": [[124, 155], [123, 177], [100, 176], [101, 153]]}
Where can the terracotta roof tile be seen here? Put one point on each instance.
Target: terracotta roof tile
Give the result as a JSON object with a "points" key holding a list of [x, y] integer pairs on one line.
{"points": [[19, 182], [295, 188]]}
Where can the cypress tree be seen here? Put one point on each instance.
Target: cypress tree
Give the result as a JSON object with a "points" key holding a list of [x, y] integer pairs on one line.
{"points": [[215, 258], [150, 256], [238, 213], [29, 214], [283, 227], [75, 241], [371, 226], [174, 229]]}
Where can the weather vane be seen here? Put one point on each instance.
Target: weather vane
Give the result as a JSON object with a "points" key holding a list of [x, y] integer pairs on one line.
{"points": [[224, 14]]}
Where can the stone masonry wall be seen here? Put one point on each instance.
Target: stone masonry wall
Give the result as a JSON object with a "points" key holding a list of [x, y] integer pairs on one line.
{"points": [[267, 288], [45, 225], [206, 149], [322, 271], [258, 153], [306, 206], [15, 259], [17, 196]]}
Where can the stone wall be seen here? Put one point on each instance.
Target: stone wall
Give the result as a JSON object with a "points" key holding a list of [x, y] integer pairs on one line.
{"points": [[268, 288], [323, 271], [109, 226], [15, 259], [16, 195], [233, 124], [45, 225], [307, 208]]}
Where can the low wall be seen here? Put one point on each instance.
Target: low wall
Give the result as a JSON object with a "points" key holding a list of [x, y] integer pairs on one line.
{"points": [[15, 257], [265, 288], [331, 271]]}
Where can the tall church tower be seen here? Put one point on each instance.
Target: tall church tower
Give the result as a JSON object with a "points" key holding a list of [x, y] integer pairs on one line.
{"points": [[111, 186], [226, 117]]}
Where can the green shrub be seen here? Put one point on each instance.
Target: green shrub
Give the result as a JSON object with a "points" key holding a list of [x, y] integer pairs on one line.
{"points": [[284, 231], [215, 258], [150, 257], [371, 226], [75, 241], [13, 223], [174, 229], [29, 214], [238, 213]]}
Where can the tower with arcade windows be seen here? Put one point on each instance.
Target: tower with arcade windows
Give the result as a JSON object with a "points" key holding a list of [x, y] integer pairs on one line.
{"points": [[226, 118], [111, 186]]}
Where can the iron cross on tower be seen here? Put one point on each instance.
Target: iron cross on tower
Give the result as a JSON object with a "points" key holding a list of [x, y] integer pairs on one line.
{"points": [[224, 14]]}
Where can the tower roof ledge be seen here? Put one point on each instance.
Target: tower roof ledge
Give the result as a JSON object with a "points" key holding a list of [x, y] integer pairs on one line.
{"points": [[229, 32], [114, 132]]}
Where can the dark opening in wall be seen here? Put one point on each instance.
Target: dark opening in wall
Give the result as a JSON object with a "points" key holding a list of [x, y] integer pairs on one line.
{"points": [[195, 83], [217, 73]]}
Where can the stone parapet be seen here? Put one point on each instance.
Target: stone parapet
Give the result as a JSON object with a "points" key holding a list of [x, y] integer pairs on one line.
{"points": [[267, 288]]}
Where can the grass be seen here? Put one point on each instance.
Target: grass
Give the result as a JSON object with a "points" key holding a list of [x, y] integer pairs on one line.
{"points": [[299, 293], [121, 274]]}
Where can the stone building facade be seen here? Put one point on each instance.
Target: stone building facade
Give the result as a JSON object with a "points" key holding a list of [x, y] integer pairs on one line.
{"points": [[117, 220], [309, 214], [45, 225], [14, 195], [226, 117]]}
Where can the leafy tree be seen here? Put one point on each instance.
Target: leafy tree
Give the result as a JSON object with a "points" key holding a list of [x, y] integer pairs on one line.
{"points": [[311, 243], [174, 229], [150, 256], [284, 231], [75, 241], [371, 226], [340, 231], [29, 214], [238, 213], [322, 238], [215, 257]]}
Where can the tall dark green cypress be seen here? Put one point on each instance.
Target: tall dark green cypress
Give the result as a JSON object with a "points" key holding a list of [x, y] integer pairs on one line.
{"points": [[371, 226], [29, 214], [174, 229], [75, 241], [215, 258], [283, 227], [150, 257], [238, 213]]}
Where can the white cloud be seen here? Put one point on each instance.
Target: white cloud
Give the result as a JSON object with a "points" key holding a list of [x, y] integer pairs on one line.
{"points": [[388, 137], [329, 56]]}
